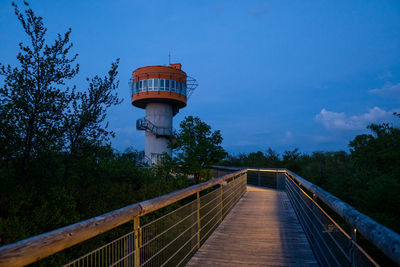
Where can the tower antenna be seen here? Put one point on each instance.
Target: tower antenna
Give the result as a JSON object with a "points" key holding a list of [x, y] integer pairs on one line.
{"points": [[169, 58]]}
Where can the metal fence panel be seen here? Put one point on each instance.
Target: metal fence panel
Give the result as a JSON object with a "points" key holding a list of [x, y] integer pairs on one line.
{"points": [[173, 238], [331, 245]]}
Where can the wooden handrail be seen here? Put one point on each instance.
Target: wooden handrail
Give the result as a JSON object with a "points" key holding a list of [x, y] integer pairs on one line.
{"points": [[38, 247]]}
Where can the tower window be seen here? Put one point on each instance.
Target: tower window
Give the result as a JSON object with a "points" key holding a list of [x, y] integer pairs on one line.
{"points": [[161, 84], [156, 84], [167, 85]]}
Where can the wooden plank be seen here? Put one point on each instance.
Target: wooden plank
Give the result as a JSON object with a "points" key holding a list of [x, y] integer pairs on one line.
{"points": [[261, 230]]}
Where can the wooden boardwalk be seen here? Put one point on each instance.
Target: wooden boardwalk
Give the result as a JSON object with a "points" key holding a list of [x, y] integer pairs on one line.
{"points": [[261, 230]]}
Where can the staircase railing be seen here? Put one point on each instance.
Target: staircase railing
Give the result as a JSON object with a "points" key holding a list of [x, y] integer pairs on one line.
{"points": [[146, 125]]}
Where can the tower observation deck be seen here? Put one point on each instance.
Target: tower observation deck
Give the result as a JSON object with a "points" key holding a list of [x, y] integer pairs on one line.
{"points": [[161, 91]]}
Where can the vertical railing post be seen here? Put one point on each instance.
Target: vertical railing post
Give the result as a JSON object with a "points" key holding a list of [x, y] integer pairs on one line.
{"points": [[198, 220], [245, 182], [280, 180], [126, 252], [137, 240], [258, 179], [221, 191], [353, 247]]}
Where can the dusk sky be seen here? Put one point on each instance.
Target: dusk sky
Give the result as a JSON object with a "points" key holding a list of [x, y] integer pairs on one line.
{"points": [[279, 74]]}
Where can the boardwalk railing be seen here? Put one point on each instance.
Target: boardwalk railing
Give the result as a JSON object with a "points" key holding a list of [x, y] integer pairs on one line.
{"points": [[171, 239], [331, 244], [167, 240]]}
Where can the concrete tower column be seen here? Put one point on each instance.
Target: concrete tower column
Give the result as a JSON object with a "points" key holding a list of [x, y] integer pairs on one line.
{"points": [[160, 115]]}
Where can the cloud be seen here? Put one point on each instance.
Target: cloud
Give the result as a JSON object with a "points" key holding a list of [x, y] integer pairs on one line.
{"points": [[340, 121], [259, 11], [389, 90], [288, 137]]}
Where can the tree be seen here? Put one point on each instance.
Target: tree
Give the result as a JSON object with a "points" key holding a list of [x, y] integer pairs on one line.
{"points": [[83, 121], [198, 147], [34, 95], [39, 114], [272, 157], [375, 160]]}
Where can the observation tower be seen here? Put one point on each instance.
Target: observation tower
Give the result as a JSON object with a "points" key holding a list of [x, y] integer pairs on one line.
{"points": [[161, 91]]}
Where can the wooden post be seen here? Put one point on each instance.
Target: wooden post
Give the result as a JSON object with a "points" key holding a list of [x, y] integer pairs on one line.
{"points": [[258, 179], [137, 241], [198, 220]]}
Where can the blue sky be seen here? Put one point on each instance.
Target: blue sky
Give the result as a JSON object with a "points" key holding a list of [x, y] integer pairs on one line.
{"points": [[279, 74]]}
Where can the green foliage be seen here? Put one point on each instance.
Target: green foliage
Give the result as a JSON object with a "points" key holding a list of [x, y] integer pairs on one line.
{"points": [[197, 146]]}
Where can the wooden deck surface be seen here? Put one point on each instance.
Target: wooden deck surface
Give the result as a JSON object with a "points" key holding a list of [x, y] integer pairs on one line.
{"points": [[261, 230]]}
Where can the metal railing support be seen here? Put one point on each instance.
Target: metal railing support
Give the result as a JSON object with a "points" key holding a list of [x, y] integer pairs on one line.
{"points": [[352, 248], [221, 196], [198, 220], [280, 181], [137, 241]]}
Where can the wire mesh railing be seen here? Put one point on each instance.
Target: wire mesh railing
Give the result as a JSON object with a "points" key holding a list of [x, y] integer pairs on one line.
{"points": [[119, 252], [331, 244], [173, 238]]}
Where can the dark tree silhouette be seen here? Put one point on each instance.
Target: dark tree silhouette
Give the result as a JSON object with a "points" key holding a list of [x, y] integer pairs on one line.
{"points": [[39, 114], [34, 94]]}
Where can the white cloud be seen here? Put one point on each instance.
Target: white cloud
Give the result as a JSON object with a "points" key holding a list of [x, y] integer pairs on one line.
{"points": [[389, 90], [288, 138], [340, 121]]}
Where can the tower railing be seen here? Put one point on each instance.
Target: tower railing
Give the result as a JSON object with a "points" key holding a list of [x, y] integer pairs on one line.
{"points": [[144, 124], [168, 230]]}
